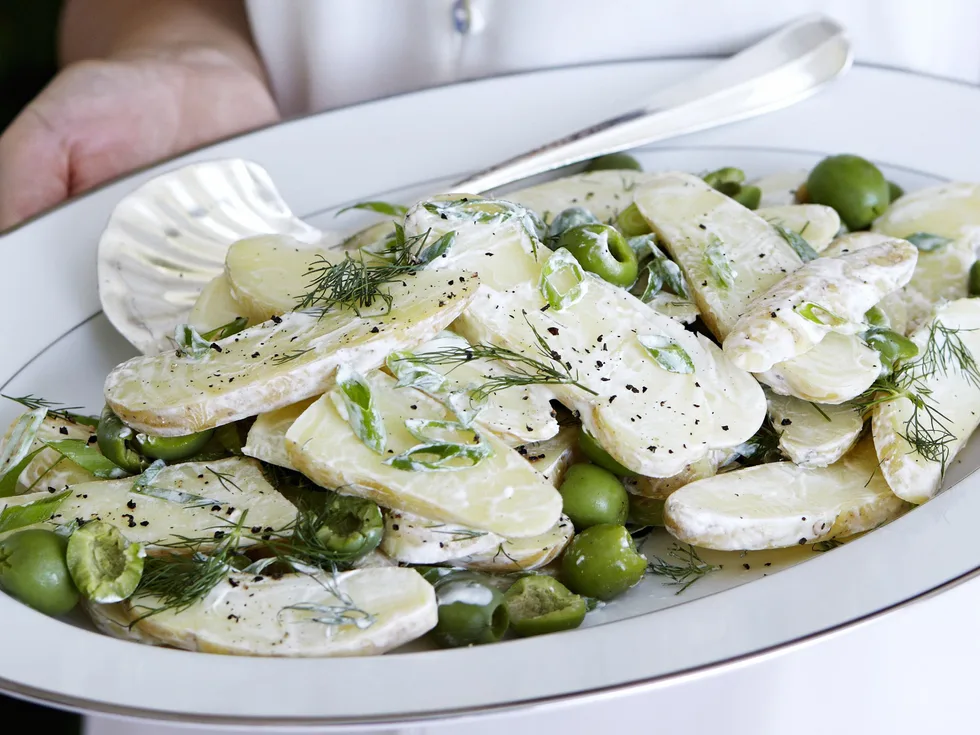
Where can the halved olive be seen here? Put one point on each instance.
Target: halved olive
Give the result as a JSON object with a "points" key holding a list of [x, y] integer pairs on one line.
{"points": [[602, 249], [567, 219], [615, 162], [104, 564], [539, 604], [748, 196], [349, 527], [471, 611]]}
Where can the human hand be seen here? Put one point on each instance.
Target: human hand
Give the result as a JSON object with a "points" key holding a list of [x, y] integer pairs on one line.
{"points": [[99, 119]]}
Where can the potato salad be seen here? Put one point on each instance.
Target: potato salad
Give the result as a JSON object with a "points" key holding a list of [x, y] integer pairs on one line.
{"points": [[460, 424]]}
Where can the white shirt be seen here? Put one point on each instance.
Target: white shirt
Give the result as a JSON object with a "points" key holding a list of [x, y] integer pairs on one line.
{"points": [[328, 53]]}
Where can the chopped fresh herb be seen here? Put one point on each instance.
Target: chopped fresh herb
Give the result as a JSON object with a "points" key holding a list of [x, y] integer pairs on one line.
{"points": [[88, 457], [819, 314], [226, 330], [359, 407], [667, 353], [687, 570], [718, 264], [189, 343], [55, 409], [13, 517], [392, 210], [926, 242], [800, 246]]}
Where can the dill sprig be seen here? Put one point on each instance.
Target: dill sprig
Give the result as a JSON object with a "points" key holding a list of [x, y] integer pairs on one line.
{"points": [[55, 409], [346, 612], [290, 356], [356, 284], [546, 369], [687, 570], [459, 534], [179, 580], [927, 429]]}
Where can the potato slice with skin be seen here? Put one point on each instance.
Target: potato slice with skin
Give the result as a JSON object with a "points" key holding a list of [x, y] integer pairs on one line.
{"points": [[651, 420], [274, 364], [604, 193], [812, 435], [518, 415], [500, 248], [689, 217], [735, 399], [267, 273], [780, 504], [825, 295], [940, 276], [815, 223], [553, 457], [49, 470], [235, 485], [412, 539], [500, 493], [660, 488], [950, 210], [215, 306], [256, 616], [839, 368], [267, 436], [779, 189], [952, 394], [521, 555]]}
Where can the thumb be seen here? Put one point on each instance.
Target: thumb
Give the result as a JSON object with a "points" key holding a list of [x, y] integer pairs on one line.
{"points": [[34, 167]]}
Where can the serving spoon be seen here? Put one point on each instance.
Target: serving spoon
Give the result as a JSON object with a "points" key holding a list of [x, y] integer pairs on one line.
{"points": [[780, 70], [166, 241]]}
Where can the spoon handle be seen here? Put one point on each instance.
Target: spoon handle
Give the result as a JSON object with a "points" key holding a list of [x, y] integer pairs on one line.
{"points": [[784, 68]]}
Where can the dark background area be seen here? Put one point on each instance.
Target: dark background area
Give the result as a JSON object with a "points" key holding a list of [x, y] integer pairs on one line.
{"points": [[27, 62]]}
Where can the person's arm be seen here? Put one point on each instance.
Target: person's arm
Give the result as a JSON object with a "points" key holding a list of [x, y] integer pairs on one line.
{"points": [[143, 80]]}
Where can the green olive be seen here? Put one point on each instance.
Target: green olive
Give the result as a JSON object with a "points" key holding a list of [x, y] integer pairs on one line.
{"points": [[615, 162], [597, 455], [892, 347], [591, 495], [973, 284], [349, 527], [104, 565], [851, 185], [631, 223], [172, 448], [566, 220], [471, 612], [748, 196], [33, 569], [727, 180], [539, 604], [646, 511], [602, 562], [894, 191], [601, 249], [114, 442]]}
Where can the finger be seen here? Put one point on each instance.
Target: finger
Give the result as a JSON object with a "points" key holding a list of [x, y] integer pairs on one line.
{"points": [[34, 167]]}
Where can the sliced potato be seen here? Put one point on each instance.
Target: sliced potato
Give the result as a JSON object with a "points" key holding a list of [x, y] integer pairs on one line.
{"points": [[215, 306], [518, 415], [714, 239], [501, 493], [554, 456], [823, 296], [660, 488], [676, 307], [274, 364], [493, 238], [411, 539], [114, 622], [812, 435], [251, 615], [815, 223], [852, 242], [525, 554], [735, 399], [781, 504], [839, 368], [604, 193], [49, 470], [950, 210], [650, 419], [267, 437], [779, 189], [236, 486], [953, 395], [268, 274]]}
